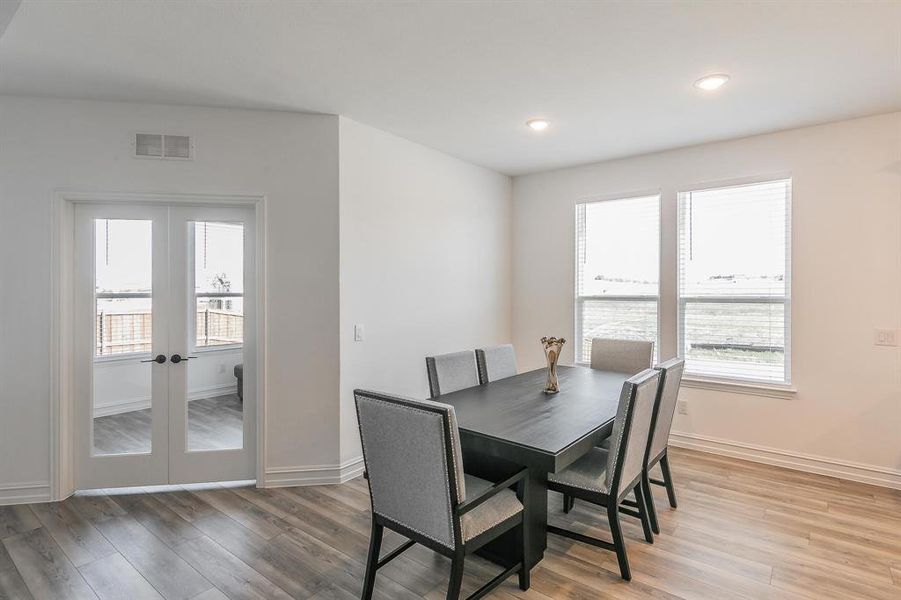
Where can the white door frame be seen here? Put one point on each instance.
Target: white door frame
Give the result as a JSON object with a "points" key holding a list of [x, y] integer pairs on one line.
{"points": [[62, 252]]}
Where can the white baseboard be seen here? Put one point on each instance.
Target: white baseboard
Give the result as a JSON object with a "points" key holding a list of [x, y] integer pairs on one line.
{"points": [[212, 391], [313, 475], [25, 493], [821, 465], [118, 407]]}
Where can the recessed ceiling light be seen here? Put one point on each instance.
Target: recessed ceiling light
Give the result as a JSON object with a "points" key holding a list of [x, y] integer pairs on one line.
{"points": [[708, 83], [537, 124]]}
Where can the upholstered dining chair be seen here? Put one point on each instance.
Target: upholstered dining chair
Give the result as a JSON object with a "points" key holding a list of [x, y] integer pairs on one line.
{"points": [[607, 477], [418, 488], [622, 356], [496, 362], [451, 372], [658, 442], [671, 375]]}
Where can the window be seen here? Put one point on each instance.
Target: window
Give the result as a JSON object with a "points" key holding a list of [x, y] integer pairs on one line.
{"points": [[617, 271], [734, 282], [123, 287], [218, 283]]}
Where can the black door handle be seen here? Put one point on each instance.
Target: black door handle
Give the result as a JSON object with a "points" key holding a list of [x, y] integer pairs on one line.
{"points": [[176, 358], [159, 359]]}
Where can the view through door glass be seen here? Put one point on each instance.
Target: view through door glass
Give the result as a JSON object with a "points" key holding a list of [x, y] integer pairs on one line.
{"points": [[123, 269], [215, 373]]}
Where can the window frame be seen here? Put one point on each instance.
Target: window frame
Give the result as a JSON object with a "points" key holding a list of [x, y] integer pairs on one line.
{"points": [[578, 299], [193, 295], [778, 388]]}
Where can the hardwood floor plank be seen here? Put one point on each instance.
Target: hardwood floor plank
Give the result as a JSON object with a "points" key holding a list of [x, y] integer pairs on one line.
{"points": [[213, 594], [17, 519], [96, 508], [286, 571], [815, 582], [6, 563], [229, 574], [12, 586], [44, 567], [81, 542], [185, 504], [340, 569], [160, 565], [157, 518], [261, 522], [113, 578]]}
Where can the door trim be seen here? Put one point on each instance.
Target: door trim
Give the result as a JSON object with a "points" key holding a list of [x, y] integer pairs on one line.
{"points": [[62, 251]]}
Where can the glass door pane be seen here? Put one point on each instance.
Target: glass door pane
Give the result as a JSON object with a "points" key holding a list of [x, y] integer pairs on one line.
{"points": [[216, 368], [123, 284]]}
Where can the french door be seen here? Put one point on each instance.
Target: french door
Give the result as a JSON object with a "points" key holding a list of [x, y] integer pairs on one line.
{"points": [[164, 344]]}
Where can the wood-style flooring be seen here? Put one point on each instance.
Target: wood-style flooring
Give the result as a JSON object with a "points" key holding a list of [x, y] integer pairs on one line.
{"points": [[213, 424], [742, 530]]}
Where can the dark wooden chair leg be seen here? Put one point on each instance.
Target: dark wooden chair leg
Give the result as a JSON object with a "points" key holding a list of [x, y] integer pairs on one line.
{"points": [[456, 577], [641, 501], [668, 480], [568, 503], [618, 542], [525, 575], [372, 561], [649, 501]]}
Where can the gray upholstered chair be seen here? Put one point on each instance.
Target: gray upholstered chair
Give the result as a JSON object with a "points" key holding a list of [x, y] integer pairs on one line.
{"points": [[451, 372], [658, 443], [606, 477], [496, 362], [671, 374], [622, 356], [418, 488]]}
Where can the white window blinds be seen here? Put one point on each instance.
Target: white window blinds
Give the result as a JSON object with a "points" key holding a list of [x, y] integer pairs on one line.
{"points": [[734, 281], [617, 271]]}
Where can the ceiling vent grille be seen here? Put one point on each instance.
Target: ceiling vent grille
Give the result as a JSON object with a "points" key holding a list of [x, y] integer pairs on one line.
{"points": [[156, 145]]}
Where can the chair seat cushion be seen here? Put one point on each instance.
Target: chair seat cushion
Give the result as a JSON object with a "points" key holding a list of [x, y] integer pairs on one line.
{"points": [[493, 511], [587, 473]]}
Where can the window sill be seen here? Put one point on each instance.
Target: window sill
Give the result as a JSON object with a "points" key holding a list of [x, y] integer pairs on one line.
{"points": [[786, 392], [215, 349]]}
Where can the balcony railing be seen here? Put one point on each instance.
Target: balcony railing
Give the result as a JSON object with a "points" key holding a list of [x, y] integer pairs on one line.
{"points": [[131, 332]]}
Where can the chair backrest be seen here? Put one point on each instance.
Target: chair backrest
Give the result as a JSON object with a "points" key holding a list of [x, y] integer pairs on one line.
{"points": [[451, 372], [622, 356], [671, 379], [496, 362], [631, 429], [411, 449]]}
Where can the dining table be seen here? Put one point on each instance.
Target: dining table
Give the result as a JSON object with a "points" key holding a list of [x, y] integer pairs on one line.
{"points": [[512, 423]]}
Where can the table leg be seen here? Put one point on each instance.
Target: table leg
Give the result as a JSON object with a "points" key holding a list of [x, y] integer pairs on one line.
{"points": [[505, 549]]}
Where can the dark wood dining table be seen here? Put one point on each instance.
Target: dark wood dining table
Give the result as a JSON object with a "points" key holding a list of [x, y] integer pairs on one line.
{"points": [[511, 423]]}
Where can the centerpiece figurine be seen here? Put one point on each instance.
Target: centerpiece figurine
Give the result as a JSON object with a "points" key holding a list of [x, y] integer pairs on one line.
{"points": [[552, 348]]}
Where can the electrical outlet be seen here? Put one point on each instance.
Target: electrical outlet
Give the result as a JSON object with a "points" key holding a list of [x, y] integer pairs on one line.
{"points": [[683, 407], [358, 333], [886, 337]]}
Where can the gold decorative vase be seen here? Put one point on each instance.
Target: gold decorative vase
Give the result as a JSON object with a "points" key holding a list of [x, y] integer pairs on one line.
{"points": [[552, 348]]}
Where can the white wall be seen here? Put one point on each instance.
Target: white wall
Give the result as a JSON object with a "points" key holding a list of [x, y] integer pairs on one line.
{"points": [[292, 158], [425, 263], [846, 416]]}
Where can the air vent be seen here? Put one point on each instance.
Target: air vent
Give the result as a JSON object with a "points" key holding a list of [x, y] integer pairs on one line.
{"points": [[155, 145]]}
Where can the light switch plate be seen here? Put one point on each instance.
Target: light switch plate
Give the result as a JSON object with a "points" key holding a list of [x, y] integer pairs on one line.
{"points": [[886, 337], [358, 333]]}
